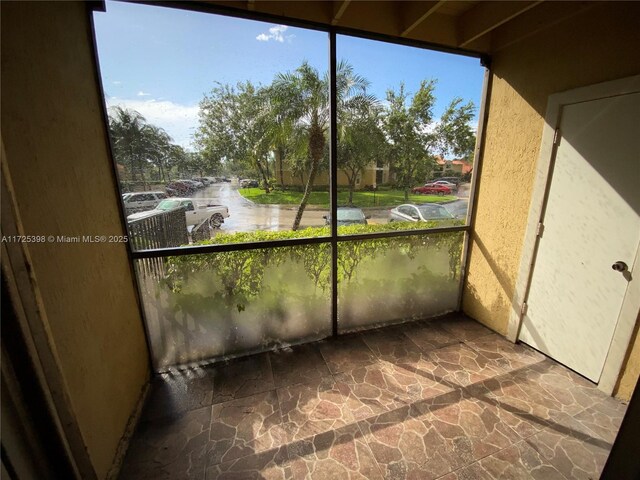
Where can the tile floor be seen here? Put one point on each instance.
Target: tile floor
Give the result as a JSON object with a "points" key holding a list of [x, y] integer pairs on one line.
{"points": [[445, 399]]}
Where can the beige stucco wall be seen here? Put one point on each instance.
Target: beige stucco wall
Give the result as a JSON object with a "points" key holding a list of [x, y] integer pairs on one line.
{"points": [[598, 45], [56, 151], [631, 367], [367, 177], [321, 180]]}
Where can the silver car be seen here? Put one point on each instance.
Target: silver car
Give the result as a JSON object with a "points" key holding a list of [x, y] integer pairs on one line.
{"points": [[419, 213], [444, 183], [348, 216], [139, 201]]}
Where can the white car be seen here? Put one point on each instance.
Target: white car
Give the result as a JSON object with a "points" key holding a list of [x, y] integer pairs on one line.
{"points": [[419, 213], [138, 201], [197, 211]]}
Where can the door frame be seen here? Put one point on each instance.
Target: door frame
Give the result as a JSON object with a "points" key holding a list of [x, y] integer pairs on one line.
{"points": [[38, 351], [546, 159]]}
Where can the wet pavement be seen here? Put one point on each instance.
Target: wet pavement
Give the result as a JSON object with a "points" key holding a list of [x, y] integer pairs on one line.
{"points": [[246, 216]]}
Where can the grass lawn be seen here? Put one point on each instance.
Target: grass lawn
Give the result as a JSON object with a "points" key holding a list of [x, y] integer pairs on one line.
{"points": [[385, 198]]}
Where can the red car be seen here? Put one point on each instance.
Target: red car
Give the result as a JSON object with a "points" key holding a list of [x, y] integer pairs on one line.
{"points": [[432, 189]]}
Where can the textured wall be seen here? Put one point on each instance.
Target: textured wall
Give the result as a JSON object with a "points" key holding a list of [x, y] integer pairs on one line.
{"points": [[631, 368], [57, 155], [578, 52]]}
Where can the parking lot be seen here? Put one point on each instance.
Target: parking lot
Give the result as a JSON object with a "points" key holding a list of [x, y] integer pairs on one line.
{"points": [[247, 216]]}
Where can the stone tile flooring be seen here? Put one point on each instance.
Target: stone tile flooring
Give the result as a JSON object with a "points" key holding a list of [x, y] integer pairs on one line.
{"points": [[445, 399]]}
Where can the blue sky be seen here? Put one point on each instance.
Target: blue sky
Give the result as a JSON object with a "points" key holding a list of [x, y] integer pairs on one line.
{"points": [[161, 61]]}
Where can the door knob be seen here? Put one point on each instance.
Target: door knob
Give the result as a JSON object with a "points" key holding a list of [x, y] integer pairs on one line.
{"points": [[620, 267]]}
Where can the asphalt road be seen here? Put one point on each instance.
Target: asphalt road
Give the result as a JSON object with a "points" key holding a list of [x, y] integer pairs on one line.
{"points": [[245, 216]]}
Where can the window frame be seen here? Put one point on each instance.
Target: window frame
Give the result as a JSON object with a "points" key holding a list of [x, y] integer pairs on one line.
{"points": [[333, 238]]}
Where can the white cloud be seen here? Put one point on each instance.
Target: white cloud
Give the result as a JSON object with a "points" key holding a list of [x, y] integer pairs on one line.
{"points": [[179, 121], [276, 34], [143, 94], [117, 82]]}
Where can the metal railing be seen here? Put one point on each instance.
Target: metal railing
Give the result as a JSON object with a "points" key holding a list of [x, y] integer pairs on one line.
{"points": [[161, 230]]}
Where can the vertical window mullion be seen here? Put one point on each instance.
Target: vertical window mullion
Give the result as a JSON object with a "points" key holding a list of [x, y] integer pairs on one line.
{"points": [[475, 179], [333, 178]]}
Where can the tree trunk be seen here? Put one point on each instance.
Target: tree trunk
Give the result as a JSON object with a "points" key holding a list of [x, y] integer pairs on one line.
{"points": [[279, 159], [133, 164], [406, 194], [264, 177], [316, 148], [352, 186], [307, 192]]}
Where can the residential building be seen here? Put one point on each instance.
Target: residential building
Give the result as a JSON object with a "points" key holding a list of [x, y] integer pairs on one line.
{"points": [[456, 166]]}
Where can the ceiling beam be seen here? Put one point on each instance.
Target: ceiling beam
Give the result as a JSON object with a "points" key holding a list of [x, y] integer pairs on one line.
{"points": [[431, 8], [338, 10], [547, 16], [487, 16]]}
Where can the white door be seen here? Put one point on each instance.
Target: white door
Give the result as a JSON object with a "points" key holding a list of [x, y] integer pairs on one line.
{"points": [[591, 221]]}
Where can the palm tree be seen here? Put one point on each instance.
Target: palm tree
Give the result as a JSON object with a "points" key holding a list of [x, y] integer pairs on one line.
{"points": [[302, 99], [127, 132], [284, 138], [140, 145], [157, 145]]}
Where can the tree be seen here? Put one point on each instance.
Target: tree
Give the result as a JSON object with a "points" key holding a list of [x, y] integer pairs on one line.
{"points": [[235, 127], [141, 146], [407, 128], [294, 153], [454, 132], [157, 144], [128, 129], [302, 99], [176, 158], [286, 139], [360, 141]]}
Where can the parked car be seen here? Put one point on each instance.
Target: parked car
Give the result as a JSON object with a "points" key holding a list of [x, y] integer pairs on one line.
{"points": [[197, 210], [172, 192], [348, 216], [205, 181], [432, 189], [445, 183], [182, 188], [138, 201], [455, 180], [249, 183], [419, 213], [195, 184]]}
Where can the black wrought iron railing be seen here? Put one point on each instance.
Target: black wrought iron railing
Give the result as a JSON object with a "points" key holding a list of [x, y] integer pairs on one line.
{"points": [[161, 230]]}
